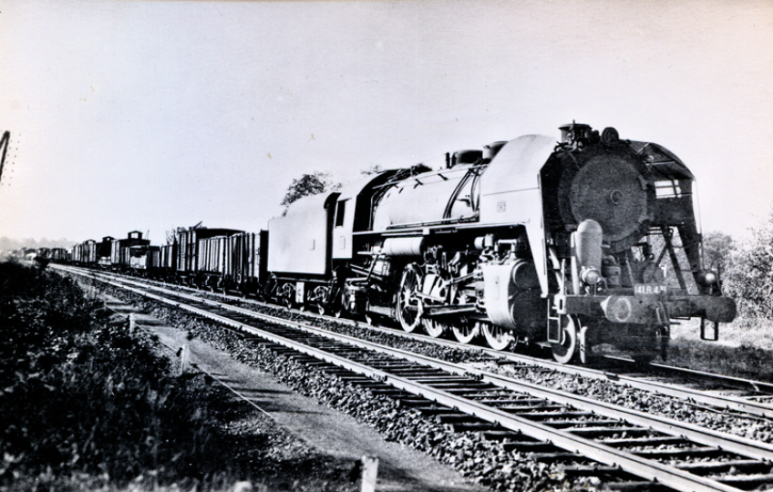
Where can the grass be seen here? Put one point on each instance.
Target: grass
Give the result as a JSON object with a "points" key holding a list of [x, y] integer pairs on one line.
{"points": [[744, 349], [86, 405]]}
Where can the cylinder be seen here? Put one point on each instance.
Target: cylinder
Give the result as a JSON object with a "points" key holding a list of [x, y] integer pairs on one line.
{"points": [[524, 275]]}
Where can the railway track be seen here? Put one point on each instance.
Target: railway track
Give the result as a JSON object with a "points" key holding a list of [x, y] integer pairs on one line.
{"points": [[624, 448], [703, 389]]}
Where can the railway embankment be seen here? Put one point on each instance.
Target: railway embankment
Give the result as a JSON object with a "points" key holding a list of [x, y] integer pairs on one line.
{"points": [[87, 405], [468, 453], [598, 389]]}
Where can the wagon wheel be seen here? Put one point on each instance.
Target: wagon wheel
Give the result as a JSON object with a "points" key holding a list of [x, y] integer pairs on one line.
{"points": [[497, 337], [464, 330], [565, 351], [408, 308]]}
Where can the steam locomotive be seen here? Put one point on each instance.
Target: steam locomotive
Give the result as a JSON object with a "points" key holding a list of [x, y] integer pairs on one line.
{"points": [[566, 244]]}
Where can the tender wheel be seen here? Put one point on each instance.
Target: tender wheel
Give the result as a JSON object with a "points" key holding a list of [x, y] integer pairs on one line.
{"points": [[318, 298], [498, 338], [337, 305], [288, 296], [564, 352], [408, 305]]}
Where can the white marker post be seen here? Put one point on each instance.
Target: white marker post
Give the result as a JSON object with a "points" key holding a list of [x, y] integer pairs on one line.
{"points": [[184, 359], [369, 473]]}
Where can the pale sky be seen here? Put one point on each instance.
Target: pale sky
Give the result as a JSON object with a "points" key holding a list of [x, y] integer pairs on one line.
{"points": [[150, 115]]}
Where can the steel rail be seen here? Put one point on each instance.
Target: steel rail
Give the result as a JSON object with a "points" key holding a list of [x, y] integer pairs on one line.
{"points": [[722, 402], [737, 444], [760, 386], [645, 468], [725, 402]]}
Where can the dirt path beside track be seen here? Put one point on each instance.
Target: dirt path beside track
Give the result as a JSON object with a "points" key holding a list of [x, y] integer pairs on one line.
{"points": [[330, 432]]}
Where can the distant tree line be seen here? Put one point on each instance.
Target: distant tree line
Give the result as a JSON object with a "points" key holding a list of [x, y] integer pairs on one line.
{"points": [[9, 244], [308, 184]]}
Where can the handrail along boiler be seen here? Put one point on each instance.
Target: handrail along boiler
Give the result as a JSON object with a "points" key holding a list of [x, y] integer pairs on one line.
{"points": [[592, 239]]}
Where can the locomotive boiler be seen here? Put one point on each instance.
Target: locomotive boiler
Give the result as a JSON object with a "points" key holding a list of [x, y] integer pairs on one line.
{"points": [[566, 244]]}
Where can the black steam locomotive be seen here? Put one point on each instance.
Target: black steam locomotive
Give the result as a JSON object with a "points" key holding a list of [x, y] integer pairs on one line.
{"points": [[589, 240]]}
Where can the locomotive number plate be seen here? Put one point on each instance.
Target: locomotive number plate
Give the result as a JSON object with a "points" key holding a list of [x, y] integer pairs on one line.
{"points": [[648, 289]]}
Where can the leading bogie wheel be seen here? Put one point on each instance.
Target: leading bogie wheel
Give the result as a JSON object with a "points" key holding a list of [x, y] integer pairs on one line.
{"points": [[565, 351], [288, 296]]}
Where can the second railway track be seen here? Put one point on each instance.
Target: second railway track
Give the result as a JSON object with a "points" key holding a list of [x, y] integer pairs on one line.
{"points": [[590, 437]]}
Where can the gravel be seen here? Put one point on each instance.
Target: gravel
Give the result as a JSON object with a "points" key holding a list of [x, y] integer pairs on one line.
{"points": [[601, 390], [484, 461]]}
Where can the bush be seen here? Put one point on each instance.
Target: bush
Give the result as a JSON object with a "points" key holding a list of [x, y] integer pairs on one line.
{"points": [[749, 274], [78, 394]]}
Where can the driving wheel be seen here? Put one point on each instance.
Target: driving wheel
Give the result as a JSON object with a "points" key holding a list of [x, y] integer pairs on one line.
{"points": [[409, 306]]}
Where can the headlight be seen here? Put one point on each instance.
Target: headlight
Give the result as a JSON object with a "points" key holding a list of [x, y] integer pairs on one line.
{"points": [[590, 276], [706, 277]]}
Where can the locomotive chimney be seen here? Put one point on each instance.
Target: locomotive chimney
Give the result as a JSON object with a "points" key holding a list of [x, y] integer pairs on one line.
{"points": [[466, 157], [491, 150]]}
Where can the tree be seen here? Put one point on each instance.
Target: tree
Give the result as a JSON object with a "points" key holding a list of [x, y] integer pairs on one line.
{"points": [[373, 169], [308, 184], [749, 275], [718, 249]]}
